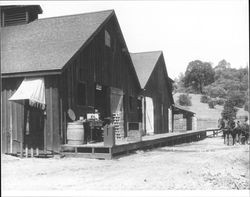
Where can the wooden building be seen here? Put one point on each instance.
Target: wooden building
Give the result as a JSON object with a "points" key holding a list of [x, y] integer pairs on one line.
{"points": [[184, 119], [84, 64], [157, 91]]}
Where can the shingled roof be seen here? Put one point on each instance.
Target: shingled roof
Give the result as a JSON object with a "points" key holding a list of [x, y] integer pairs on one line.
{"points": [[144, 64], [47, 44]]}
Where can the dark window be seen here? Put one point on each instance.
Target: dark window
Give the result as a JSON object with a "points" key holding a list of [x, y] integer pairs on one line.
{"points": [[81, 93], [131, 103], [80, 74], [107, 39], [139, 110]]}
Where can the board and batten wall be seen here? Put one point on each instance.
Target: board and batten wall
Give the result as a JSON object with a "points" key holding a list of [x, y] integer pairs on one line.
{"points": [[99, 64], [157, 89], [13, 116]]}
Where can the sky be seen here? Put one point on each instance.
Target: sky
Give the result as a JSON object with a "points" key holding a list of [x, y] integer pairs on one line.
{"points": [[185, 30]]}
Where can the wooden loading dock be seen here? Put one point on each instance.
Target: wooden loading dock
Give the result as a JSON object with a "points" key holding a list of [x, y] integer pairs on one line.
{"points": [[99, 151]]}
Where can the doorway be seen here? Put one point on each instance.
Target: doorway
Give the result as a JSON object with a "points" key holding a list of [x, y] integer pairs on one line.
{"points": [[34, 128], [101, 101], [149, 115]]}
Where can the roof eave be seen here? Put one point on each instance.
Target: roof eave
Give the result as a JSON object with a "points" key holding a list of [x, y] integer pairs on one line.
{"points": [[31, 74]]}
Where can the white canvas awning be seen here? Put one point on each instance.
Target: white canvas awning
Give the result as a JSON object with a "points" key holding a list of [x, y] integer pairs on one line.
{"points": [[31, 89]]}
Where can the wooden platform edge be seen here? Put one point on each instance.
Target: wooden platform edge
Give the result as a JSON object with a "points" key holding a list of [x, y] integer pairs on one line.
{"points": [[123, 149]]}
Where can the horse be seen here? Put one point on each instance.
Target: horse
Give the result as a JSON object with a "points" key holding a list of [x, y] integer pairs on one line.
{"points": [[245, 131], [233, 130], [228, 128], [238, 131]]}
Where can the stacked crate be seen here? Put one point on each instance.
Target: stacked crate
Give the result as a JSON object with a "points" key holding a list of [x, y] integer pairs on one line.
{"points": [[118, 123]]}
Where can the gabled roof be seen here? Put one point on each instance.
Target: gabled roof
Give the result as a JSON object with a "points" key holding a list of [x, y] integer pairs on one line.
{"points": [[47, 44], [144, 64]]}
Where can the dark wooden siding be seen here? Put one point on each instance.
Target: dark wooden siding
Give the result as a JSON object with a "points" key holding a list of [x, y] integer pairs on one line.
{"points": [[110, 67], [52, 119], [13, 115], [107, 66], [157, 89]]}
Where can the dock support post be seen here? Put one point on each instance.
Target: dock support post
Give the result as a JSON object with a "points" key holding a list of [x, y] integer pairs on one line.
{"points": [[26, 151], [37, 152], [31, 152]]}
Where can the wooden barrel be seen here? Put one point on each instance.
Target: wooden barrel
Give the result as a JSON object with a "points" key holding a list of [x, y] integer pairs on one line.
{"points": [[75, 133]]}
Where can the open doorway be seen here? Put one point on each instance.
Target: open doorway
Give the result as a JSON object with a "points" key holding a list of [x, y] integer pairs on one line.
{"points": [[149, 116], [101, 101], [34, 127]]}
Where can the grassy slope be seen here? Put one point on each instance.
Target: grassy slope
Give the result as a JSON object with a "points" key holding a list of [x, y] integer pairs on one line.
{"points": [[203, 111]]}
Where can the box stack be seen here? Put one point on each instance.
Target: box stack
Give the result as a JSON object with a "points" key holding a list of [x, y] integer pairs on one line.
{"points": [[118, 124], [134, 132]]}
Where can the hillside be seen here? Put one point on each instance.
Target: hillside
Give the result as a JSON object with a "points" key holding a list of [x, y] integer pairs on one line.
{"points": [[203, 111]]}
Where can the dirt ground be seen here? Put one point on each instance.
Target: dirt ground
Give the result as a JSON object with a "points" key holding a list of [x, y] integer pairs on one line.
{"points": [[203, 165]]}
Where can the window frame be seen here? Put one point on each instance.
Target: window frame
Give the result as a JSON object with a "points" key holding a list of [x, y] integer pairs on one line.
{"points": [[131, 103], [107, 35], [77, 94]]}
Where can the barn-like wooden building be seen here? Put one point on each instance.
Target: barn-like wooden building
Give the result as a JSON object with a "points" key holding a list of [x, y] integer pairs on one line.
{"points": [[157, 91], [79, 62]]}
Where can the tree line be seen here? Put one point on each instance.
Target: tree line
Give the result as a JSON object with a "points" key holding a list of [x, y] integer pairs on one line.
{"points": [[222, 81]]}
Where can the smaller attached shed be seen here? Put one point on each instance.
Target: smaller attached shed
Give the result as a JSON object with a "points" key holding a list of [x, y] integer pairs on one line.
{"points": [[156, 95], [183, 119]]}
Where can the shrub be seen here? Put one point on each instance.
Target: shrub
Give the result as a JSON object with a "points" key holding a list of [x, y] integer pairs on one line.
{"points": [[190, 90], [204, 99], [246, 106], [214, 91], [229, 110], [220, 101], [211, 104], [185, 100], [237, 97]]}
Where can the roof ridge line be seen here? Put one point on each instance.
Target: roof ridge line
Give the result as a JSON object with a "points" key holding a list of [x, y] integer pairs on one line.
{"points": [[70, 15], [146, 52]]}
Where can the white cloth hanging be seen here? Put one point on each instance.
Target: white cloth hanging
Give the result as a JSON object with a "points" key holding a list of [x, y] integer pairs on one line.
{"points": [[32, 89]]}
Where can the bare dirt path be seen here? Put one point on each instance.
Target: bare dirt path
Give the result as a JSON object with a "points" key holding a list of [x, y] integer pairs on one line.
{"points": [[207, 164]]}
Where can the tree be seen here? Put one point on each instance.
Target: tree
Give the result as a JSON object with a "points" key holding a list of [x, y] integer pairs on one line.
{"points": [[198, 75], [237, 97], [229, 110], [220, 68], [223, 64], [215, 91], [185, 100], [180, 83]]}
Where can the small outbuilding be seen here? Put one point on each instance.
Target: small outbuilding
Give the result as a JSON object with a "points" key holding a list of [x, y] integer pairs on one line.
{"points": [[184, 119]]}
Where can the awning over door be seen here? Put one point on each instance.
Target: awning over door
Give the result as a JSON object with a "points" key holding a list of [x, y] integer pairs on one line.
{"points": [[31, 89]]}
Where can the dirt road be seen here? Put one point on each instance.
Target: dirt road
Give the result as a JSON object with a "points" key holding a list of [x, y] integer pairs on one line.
{"points": [[207, 164]]}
